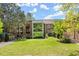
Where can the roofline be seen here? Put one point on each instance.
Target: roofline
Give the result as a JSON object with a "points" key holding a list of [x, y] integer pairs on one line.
{"points": [[41, 20]]}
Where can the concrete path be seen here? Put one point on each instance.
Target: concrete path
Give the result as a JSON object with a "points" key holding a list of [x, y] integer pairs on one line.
{"points": [[2, 44]]}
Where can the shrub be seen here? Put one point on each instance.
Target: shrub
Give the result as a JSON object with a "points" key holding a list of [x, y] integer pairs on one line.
{"points": [[6, 37], [11, 37], [0, 37], [65, 40], [1, 27], [50, 34]]}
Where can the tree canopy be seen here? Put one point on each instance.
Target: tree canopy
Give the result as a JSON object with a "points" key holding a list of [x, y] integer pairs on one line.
{"points": [[71, 22], [11, 15]]}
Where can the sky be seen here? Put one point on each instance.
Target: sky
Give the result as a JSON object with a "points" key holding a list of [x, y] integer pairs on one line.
{"points": [[43, 10]]}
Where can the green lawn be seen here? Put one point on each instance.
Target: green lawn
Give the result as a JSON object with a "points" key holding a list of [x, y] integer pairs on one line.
{"points": [[39, 47]]}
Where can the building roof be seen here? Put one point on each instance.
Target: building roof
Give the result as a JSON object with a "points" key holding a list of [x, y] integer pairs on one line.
{"points": [[46, 21]]}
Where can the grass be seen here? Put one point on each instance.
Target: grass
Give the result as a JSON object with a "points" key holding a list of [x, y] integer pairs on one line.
{"points": [[37, 34], [40, 47]]}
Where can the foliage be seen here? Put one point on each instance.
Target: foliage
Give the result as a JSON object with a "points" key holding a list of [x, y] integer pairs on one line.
{"points": [[71, 22], [58, 29], [1, 30], [37, 31], [65, 40], [38, 27], [1, 25], [29, 16], [12, 16], [69, 6], [6, 37]]}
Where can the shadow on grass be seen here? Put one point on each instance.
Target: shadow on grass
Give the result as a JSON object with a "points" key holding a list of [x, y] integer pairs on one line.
{"points": [[66, 41], [24, 39]]}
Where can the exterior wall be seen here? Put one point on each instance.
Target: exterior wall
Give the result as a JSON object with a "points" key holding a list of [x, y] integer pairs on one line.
{"points": [[73, 36], [76, 37], [48, 28], [28, 31]]}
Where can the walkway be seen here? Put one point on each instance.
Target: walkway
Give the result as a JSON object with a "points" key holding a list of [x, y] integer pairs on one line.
{"points": [[2, 44]]}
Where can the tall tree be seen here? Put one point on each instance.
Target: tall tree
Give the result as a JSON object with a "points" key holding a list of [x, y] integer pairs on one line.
{"points": [[11, 16], [72, 17]]}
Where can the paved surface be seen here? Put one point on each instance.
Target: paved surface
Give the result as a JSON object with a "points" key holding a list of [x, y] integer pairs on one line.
{"points": [[2, 44]]}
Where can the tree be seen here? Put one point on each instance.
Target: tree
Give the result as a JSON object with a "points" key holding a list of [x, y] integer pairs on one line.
{"points": [[72, 17], [29, 16], [58, 28], [69, 6], [11, 16]]}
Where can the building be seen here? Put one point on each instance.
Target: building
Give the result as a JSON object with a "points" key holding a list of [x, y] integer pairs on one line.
{"points": [[35, 28]]}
